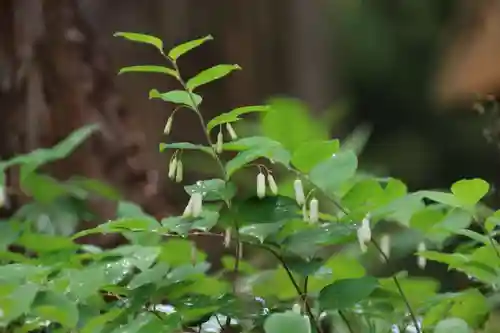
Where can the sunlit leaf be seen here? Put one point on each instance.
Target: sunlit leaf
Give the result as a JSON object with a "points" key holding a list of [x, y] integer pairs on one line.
{"points": [[183, 48], [179, 97], [149, 69], [234, 115], [141, 38], [470, 191], [308, 154], [456, 325], [210, 74], [56, 308], [212, 189]]}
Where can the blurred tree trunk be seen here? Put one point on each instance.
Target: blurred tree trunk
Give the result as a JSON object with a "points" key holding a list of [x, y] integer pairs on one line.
{"points": [[54, 78]]}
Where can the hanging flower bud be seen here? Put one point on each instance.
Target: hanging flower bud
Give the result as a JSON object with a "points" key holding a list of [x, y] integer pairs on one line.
{"points": [[168, 126], [313, 210], [227, 237], [421, 261], [172, 168], [364, 234], [305, 216], [220, 142], [240, 250], [178, 175], [197, 207], [385, 246], [272, 184], [297, 308], [261, 185], [299, 192], [231, 131], [188, 211], [3, 196]]}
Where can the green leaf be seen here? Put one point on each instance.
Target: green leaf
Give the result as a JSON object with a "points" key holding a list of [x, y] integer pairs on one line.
{"points": [[154, 274], [272, 151], [141, 38], [332, 173], [17, 301], [178, 252], [471, 306], [56, 308], [308, 154], [149, 69], [346, 293], [492, 221], [470, 191], [180, 97], [287, 322], [234, 115], [455, 325], [136, 224], [260, 231], [289, 122], [185, 145], [96, 324], [181, 49], [45, 155], [210, 74], [46, 243], [267, 210], [441, 197], [212, 189]]}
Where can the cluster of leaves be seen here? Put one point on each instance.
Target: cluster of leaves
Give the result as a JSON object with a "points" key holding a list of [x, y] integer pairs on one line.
{"points": [[81, 288]]}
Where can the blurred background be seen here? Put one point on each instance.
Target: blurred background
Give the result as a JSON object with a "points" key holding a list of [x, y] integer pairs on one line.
{"points": [[413, 74]]}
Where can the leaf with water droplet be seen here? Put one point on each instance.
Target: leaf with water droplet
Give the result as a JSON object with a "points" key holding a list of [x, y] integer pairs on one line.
{"points": [[267, 210], [261, 231], [212, 189]]}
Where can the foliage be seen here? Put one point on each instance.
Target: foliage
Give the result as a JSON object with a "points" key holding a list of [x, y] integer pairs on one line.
{"points": [[161, 282]]}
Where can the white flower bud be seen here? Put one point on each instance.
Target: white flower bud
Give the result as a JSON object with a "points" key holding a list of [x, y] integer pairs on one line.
{"points": [[240, 250], [197, 207], [385, 246], [299, 192], [178, 175], [305, 216], [231, 131], [188, 211], [364, 234], [272, 184], [421, 261], [220, 142], [297, 308], [168, 126], [227, 237], [313, 210], [172, 168], [261, 185]]}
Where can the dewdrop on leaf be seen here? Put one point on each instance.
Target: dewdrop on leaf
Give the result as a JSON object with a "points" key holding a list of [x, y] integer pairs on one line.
{"points": [[385, 246], [220, 142], [364, 234], [261, 185], [197, 207], [168, 126], [313, 210], [178, 175], [421, 261], [172, 168], [272, 184], [231, 131], [299, 192]]}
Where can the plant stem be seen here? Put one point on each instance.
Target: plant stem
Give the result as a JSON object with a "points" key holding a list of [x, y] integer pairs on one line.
{"points": [[400, 290], [299, 291], [223, 171]]}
